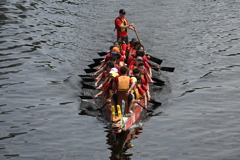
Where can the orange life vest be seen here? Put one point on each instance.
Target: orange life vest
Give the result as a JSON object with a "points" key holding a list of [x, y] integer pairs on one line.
{"points": [[123, 82]]}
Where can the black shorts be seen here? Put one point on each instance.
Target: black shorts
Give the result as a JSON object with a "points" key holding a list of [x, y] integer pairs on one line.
{"points": [[125, 39]]}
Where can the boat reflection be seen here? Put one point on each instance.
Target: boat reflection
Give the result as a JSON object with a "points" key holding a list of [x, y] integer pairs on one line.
{"points": [[121, 142]]}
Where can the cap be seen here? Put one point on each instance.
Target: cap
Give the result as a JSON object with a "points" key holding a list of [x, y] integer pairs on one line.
{"points": [[122, 11], [114, 70], [139, 58], [115, 50], [134, 40]]}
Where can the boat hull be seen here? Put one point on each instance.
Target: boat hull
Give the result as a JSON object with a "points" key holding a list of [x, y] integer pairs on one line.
{"points": [[127, 121]]}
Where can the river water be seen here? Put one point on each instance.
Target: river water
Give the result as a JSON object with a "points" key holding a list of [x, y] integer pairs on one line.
{"points": [[46, 44]]}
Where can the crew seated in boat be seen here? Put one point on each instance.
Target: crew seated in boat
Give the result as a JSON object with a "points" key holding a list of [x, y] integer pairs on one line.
{"points": [[105, 73], [112, 59], [134, 49], [146, 61], [130, 46], [122, 52], [145, 78], [139, 89], [123, 84], [107, 90], [122, 46], [114, 51]]}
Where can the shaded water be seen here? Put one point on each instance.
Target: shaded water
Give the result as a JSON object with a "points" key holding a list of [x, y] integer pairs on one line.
{"points": [[45, 45]]}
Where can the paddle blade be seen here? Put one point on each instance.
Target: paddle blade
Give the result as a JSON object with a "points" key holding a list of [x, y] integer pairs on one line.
{"points": [[168, 69], [156, 60], [83, 75], [98, 60], [93, 65], [90, 70], [102, 53], [156, 69], [158, 80], [155, 102], [88, 86], [88, 79], [86, 97], [158, 84]]}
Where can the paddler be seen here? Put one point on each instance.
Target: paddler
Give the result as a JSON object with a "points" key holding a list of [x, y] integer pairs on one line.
{"points": [[121, 25], [145, 78], [107, 90], [123, 82], [105, 73], [114, 52]]}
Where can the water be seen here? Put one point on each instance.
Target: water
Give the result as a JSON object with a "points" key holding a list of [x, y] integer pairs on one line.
{"points": [[45, 45]]}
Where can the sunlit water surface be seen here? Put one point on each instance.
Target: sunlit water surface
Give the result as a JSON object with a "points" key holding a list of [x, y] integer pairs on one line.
{"points": [[45, 45]]}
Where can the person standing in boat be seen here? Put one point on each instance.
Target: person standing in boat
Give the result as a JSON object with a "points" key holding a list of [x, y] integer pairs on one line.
{"points": [[121, 25]]}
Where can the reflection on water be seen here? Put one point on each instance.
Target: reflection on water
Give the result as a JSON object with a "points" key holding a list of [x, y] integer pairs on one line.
{"points": [[122, 142]]}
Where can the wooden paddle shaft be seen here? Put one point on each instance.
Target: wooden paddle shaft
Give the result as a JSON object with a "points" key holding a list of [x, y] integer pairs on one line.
{"points": [[137, 36]]}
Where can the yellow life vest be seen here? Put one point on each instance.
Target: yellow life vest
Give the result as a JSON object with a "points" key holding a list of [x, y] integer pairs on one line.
{"points": [[123, 82], [124, 23]]}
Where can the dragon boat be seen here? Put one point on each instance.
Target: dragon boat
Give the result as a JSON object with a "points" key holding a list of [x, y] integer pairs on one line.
{"points": [[117, 115]]}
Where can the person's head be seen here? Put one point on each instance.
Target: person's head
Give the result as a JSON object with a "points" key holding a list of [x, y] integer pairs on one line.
{"points": [[120, 39], [113, 59], [118, 56], [110, 65], [137, 45], [132, 42], [115, 50], [141, 67], [122, 12], [139, 54], [141, 48], [138, 60], [123, 70], [114, 72], [116, 44], [136, 72]]}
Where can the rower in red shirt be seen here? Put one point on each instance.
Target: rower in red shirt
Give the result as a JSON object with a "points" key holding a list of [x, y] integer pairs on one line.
{"points": [[121, 25], [145, 78]]}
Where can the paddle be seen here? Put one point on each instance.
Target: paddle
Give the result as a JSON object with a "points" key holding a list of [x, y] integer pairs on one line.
{"points": [[156, 60], [87, 97], [158, 80], [83, 75], [88, 86], [93, 65], [144, 107], [102, 53], [90, 70], [155, 102], [88, 79], [168, 69], [158, 84], [98, 60]]}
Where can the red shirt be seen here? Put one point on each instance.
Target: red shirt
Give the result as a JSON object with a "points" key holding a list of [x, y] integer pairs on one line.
{"points": [[131, 58], [119, 22], [133, 63], [105, 74], [124, 47]]}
